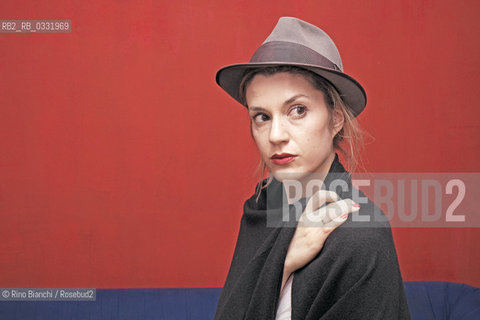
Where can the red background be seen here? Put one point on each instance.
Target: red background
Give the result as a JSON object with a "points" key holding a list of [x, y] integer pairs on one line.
{"points": [[123, 164]]}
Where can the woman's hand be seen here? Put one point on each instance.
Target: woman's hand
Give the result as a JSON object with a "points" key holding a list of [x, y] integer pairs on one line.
{"points": [[314, 226]]}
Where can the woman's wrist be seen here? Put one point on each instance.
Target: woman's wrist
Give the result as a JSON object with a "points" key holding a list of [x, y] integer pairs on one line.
{"points": [[289, 266], [287, 270], [286, 274]]}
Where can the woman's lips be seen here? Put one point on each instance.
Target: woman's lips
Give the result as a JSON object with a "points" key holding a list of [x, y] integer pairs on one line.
{"points": [[282, 159]]}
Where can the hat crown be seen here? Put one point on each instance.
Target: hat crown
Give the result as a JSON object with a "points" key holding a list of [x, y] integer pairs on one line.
{"points": [[290, 29]]}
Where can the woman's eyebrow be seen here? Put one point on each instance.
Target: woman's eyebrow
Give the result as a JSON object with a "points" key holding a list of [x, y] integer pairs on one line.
{"points": [[253, 109], [287, 102], [295, 97]]}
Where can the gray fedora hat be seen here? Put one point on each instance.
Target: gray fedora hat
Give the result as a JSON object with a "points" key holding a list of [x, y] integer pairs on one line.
{"points": [[298, 43]]}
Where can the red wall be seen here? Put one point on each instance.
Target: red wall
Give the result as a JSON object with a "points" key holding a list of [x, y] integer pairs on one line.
{"points": [[122, 164]]}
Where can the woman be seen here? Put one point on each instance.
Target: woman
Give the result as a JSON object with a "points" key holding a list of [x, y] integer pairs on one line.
{"points": [[300, 254]]}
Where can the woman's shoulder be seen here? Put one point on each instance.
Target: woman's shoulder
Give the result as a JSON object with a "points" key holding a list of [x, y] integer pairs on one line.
{"points": [[366, 235]]}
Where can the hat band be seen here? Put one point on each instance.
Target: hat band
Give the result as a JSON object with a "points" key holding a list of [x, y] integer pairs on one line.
{"points": [[291, 53]]}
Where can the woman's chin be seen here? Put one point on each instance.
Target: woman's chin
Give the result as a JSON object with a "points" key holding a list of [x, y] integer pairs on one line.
{"points": [[288, 174], [303, 177]]}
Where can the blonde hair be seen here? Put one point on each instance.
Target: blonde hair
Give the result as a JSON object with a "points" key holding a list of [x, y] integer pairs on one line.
{"points": [[348, 141]]}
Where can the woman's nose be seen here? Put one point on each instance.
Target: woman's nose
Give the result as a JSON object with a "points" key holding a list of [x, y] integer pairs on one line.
{"points": [[278, 131]]}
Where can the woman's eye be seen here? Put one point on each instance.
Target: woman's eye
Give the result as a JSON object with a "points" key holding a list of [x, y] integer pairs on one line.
{"points": [[260, 117], [298, 111]]}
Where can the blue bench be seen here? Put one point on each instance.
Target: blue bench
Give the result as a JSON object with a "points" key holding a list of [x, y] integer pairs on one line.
{"points": [[427, 300]]}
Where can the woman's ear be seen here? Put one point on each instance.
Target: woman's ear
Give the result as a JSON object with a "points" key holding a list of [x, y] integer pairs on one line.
{"points": [[338, 121]]}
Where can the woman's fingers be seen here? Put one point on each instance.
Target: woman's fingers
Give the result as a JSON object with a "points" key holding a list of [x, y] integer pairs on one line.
{"points": [[331, 215], [319, 199], [337, 212]]}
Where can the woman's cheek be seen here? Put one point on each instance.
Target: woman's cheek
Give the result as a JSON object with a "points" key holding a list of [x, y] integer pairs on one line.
{"points": [[257, 137]]}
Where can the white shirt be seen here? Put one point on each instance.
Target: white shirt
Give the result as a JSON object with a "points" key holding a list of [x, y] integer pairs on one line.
{"points": [[284, 309]]}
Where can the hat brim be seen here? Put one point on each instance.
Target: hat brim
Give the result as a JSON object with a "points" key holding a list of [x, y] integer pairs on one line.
{"points": [[351, 92]]}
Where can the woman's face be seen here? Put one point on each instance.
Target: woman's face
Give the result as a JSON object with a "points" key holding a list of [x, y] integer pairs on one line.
{"points": [[291, 125]]}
